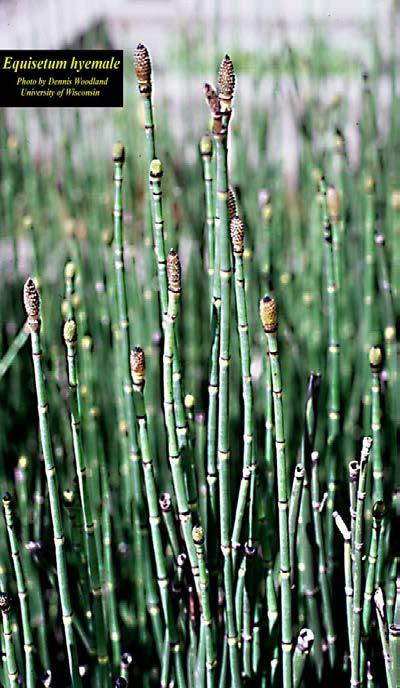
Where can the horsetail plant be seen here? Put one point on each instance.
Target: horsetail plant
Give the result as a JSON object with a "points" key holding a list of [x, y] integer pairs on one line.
{"points": [[192, 486], [32, 308]]}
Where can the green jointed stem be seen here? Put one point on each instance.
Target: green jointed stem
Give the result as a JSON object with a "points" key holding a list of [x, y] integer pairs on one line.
{"points": [[70, 339], [30, 674], [223, 440], [317, 506], [15, 346], [174, 454], [375, 361], [270, 324], [206, 150], [384, 634], [358, 547], [378, 513], [348, 579], [240, 511], [302, 650], [333, 373], [137, 363], [237, 231], [32, 306], [11, 661], [122, 307], [394, 645], [206, 615], [294, 508]]}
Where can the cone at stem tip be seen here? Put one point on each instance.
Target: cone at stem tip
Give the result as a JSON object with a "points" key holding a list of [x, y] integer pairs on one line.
{"points": [[118, 152], [198, 535], [268, 314], [138, 365], [375, 358], [31, 299], [69, 332], [6, 603], [156, 169], [212, 100], [226, 79], [69, 270], [206, 145], [173, 271], [237, 235], [142, 63]]}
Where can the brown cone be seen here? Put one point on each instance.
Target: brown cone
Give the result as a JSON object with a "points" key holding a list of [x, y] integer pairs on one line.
{"points": [[174, 271], [138, 365]]}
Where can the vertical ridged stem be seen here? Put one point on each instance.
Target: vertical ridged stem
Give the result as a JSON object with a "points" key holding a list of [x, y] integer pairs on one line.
{"points": [[206, 157], [224, 472], [175, 458], [55, 510], [322, 565], [378, 510], [358, 548], [384, 634], [294, 509], [122, 308], [348, 576], [282, 487], [394, 645], [377, 462], [333, 376], [87, 510], [301, 652], [206, 615], [11, 661], [30, 674], [156, 537], [247, 388]]}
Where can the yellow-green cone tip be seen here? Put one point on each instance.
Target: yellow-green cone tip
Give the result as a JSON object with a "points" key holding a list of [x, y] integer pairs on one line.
{"points": [[226, 78], [69, 332], [22, 462], [173, 271], [69, 270], [118, 152], [206, 145], [156, 169], [198, 535], [237, 235], [27, 222], [68, 497], [268, 314], [189, 401], [138, 365], [375, 357], [31, 299]]}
